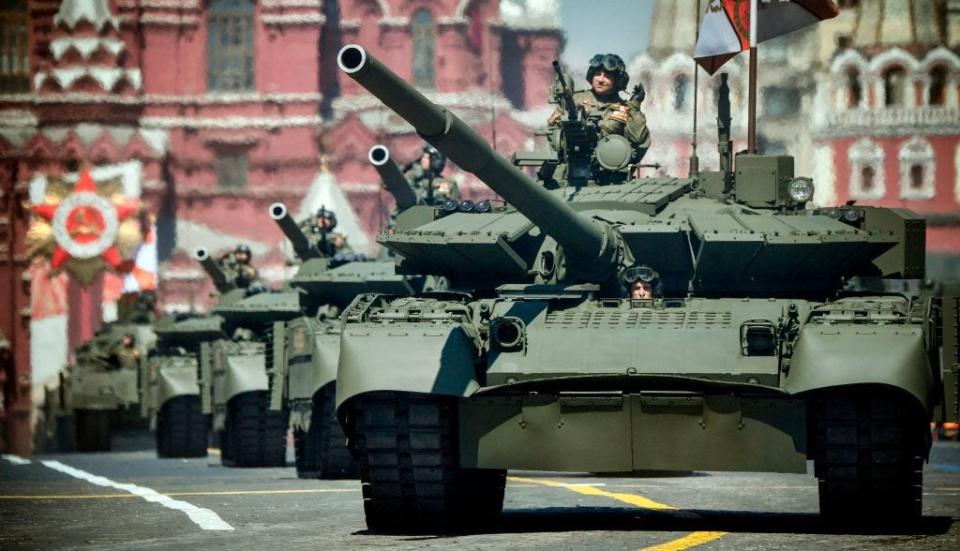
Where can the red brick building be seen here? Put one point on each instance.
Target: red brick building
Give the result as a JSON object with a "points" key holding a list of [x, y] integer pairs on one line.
{"points": [[211, 110]]}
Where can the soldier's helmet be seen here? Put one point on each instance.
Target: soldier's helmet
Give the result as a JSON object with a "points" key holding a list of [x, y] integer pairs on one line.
{"points": [[612, 64], [642, 273], [437, 159], [330, 216], [243, 248], [129, 339]]}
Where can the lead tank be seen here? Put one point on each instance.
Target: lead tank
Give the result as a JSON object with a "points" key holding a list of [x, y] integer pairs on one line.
{"points": [[749, 357], [306, 352], [236, 371]]}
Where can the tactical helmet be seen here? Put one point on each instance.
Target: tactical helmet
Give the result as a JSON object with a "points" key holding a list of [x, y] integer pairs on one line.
{"points": [[243, 248], [613, 64], [437, 159], [642, 273], [323, 212]]}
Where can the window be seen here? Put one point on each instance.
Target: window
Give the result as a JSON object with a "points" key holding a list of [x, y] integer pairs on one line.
{"points": [[230, 45], [895, 87], [14, 48], [937, 94], [780, 102], [917, 170], [866, 170], [231, 170], [854, 91], [679, 92], [424, 35]]}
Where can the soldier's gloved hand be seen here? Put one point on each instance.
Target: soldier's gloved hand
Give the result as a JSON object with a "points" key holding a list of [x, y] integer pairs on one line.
{"points": [[637, 96]]}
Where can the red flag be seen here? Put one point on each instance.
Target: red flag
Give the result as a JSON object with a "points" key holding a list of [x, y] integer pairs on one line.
{"points": [[725, 27]]}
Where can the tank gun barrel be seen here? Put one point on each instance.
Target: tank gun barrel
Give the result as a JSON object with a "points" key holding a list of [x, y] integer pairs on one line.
{"points": [[220, 280], [289, 227], [392, 176], [583, 240]]}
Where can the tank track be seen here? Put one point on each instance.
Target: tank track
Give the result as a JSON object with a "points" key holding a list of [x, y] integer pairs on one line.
{"points": [[869, 450], [409, 466], [93, 430], [321, 451], [182, 428], [253, 435]]}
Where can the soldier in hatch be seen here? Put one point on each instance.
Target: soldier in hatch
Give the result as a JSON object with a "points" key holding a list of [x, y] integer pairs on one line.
{"points": [[319, 230], [125, 354], [608, 77], [237, 265], [642, 282], [425, 174]]}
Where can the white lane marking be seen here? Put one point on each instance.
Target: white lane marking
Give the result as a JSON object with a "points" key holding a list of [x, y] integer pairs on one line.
{"points": [[204, 518], [15, 459]]}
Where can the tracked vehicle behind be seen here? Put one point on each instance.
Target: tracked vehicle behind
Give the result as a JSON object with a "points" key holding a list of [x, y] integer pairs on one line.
{"points": [[750, 358], [307, 349]]}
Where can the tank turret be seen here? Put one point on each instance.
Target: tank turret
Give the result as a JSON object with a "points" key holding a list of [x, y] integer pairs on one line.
{"points": [[393, 179], [593, 250], [220, 279], [301, 243]]}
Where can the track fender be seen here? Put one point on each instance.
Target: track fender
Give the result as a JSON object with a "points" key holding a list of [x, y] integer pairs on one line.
{"points": [[244, 373], [177, 381], [840, 355], [432, 359]]}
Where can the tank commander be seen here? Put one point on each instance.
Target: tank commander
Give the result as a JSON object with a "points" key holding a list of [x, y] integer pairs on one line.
{"points": [[608, 76], [125, 354], [319, 230], [237, 264], [642, 282], [426, 176]]}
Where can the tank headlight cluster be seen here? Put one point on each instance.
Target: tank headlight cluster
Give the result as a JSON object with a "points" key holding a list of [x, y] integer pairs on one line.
{"points": [[466, 206], [449, 205], [852, 216], [484, 206], [800, 190]]}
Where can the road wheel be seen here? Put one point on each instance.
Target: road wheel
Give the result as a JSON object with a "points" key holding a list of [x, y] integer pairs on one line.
{"points": [[407, 447], [322, 450], [182, 428], [869, 452], [93, 430], [254, 435]]}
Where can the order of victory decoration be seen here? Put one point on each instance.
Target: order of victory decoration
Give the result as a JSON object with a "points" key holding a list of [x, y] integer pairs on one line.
{"points": [[85, 228]]}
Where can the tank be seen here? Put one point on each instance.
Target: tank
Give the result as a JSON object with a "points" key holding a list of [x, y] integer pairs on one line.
{"points": [[171, 397], [236, 371], [306, 352], [749, 356], [102, 385]]}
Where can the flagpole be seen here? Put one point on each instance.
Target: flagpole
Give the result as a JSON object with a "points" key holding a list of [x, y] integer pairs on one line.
{"points": [[752, 98], [694, 169]]}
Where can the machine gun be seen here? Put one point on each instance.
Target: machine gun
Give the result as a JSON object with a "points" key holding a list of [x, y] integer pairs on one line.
{"points": [[222, 283], [578, 134]]}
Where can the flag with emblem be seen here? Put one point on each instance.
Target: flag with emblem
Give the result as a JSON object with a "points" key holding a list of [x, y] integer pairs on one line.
{"points": [[725, 27]]}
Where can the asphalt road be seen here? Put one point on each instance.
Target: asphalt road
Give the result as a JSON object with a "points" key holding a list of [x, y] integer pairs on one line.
{"points": [[127, 499]]}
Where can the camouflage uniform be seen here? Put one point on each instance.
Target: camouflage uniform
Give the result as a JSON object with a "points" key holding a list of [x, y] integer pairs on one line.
{"points": [[243, 273], [429, 185], [616, 117], [125, 357], [324, 241]]}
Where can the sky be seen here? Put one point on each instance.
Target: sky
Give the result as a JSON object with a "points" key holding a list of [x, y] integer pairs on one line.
{"points": [[621, 27]]}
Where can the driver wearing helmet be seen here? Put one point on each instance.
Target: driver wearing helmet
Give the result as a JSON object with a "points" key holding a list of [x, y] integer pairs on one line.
{"points": [[237, 263], [425, 175], [642, 282], [320, 232], [608, 77]]}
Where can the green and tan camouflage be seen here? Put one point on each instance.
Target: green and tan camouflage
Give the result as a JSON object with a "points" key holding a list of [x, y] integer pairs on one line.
{"points": [[750, 357]]}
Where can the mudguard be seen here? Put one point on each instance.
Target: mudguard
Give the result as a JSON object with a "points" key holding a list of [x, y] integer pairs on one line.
{"points": [[437, 359], [861, 354], [105, 389], [237, 367], [177, 380]]}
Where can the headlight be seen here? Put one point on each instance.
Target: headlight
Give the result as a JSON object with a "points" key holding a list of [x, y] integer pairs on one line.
{"points": [[466, 206], [800, 190], [484, 206], [851, 215]]}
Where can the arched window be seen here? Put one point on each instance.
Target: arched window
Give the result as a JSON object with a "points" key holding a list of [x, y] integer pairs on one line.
{"points": [[679, 92], [424, 37], [866, 171], [14, 47], [854, 91], [917, 170], [895, 87], [230, 53], [937, 94]]}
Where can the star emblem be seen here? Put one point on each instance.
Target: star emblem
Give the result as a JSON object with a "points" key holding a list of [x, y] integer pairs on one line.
{"points": [[85, 227]]}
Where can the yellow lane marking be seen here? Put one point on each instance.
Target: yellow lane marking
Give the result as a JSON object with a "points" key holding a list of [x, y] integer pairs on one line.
{"points": [[686, 542], [632, 499], [176, 494], [692, 540]]}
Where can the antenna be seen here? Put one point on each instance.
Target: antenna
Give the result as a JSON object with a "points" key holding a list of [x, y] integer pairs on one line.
{"points": [[752, 97], [694, 169]]}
